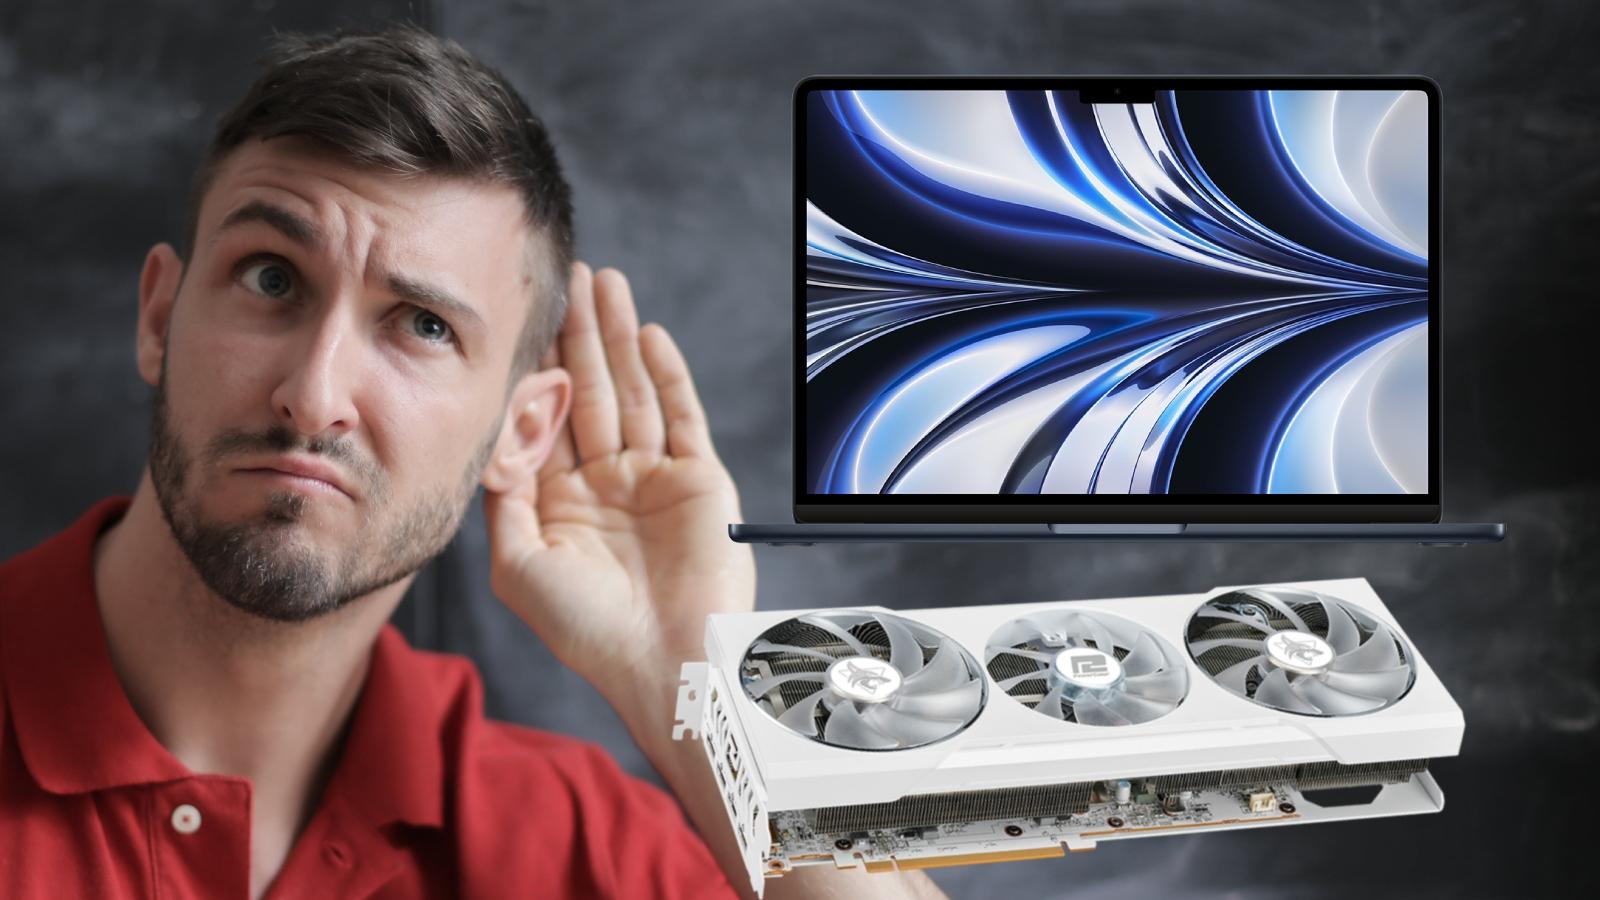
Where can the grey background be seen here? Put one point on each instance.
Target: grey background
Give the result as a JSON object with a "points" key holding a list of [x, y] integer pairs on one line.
{"points": [[673, 122]]}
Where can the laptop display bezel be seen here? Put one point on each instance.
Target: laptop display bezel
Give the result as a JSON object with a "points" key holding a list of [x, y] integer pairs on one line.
{"points": [[1112, 508]]}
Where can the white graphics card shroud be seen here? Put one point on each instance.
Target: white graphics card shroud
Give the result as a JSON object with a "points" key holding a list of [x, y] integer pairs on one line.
{"points": [[772, 775]]}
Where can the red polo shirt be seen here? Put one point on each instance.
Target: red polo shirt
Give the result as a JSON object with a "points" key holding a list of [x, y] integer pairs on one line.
{"points": [[429, 798]]}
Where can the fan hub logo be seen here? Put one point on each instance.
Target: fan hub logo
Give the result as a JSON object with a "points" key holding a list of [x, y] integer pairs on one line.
{"points": [[865, 679], [1088, 667], [1299, 651]]}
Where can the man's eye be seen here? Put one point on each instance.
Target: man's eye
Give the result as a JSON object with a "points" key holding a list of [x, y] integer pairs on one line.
{"points": [[268, 278], [430, 327]]}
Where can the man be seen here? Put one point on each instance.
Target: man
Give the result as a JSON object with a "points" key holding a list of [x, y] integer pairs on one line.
{"points": [[201, 694]]}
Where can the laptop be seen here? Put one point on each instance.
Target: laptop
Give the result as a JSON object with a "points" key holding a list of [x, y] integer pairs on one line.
{"points": [[1062, 308]]}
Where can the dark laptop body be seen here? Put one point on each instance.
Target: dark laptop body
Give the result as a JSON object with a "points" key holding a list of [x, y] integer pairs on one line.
{"points": [[1151, 308]]}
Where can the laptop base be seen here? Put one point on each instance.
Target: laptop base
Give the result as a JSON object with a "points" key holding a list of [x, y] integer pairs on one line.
{"points": [[1428, 534]]}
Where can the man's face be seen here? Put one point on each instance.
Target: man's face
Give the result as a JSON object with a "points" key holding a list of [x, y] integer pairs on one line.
{"points": [[334, 374]]}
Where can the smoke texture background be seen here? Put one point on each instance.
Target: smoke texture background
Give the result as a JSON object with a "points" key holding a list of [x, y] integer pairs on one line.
{"points": [[673, 122]]}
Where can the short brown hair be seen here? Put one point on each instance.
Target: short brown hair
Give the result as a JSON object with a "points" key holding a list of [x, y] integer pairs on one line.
{"points": [[408, 102]]}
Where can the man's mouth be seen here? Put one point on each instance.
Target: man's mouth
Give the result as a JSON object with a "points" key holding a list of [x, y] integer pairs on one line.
{"points": [[302, 472]]}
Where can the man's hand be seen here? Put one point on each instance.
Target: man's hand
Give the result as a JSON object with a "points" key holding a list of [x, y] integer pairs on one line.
{"points": [[616, 553], [619, 549]]}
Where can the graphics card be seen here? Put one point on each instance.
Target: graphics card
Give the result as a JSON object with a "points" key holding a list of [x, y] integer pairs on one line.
{"points": [[917, 738]]}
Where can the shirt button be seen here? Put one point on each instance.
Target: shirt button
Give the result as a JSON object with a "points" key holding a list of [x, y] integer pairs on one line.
{"points": [[186, 819]]}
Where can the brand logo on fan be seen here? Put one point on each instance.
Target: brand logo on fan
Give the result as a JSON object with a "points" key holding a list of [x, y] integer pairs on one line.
{"points": [[1298, 651], [1089, 665], [864, 678], [1301, 651], [868, 680]]}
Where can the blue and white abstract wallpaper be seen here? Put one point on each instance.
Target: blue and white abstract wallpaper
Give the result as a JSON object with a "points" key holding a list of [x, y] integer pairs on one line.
{"points": [[1016, 292]]}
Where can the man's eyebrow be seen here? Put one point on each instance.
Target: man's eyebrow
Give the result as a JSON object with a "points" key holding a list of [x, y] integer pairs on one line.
{"points": [[434, 298], [296, 229], [307, 234]]}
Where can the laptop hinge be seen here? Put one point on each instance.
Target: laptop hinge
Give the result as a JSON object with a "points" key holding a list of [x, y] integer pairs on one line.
{"points": [[1114, 528]]}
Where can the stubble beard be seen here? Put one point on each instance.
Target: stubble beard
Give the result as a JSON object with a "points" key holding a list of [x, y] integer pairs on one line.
{"points": [[262, 565]]}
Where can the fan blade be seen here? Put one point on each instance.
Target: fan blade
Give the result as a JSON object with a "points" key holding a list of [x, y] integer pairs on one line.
{"points": [[1098, 635], [1342, 634], [802, 716], [1089, 711], [1137, 709], [1145, 658], [946, 670], [1038, 631], [1163, 687], [1256, 644], [1039, 655], [1211, 612], [1390, 685], [769, 647], [1274, 690], [960, 703], [1332, 701], [1283, 609], [905, 653], [1233, 677], [764, 686], [1378, 654], [849, 639], [1051, 704], [846, 728], [909, 729], [1009, 683]]}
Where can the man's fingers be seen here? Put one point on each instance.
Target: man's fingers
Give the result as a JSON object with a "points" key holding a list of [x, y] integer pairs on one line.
{"points": [[639, 412], [687, 431], [595, 429]]}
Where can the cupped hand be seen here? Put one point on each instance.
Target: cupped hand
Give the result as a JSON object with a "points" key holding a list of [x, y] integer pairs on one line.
{"points": [[618, 550]]}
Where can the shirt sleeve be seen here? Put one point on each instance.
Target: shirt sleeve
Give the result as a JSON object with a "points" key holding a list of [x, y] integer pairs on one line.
{"points": [[556, 816], [641, 835]]}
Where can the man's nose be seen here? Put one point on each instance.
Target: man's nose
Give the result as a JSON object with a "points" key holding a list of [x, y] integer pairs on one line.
{"points": [[316, 394]]}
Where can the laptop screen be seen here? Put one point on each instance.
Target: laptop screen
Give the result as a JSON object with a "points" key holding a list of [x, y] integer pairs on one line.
{"points": [[1202, 292]]}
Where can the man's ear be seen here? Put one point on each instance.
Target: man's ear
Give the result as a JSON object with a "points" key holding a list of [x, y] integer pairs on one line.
{"points": [[158, 290], [536, 414]]}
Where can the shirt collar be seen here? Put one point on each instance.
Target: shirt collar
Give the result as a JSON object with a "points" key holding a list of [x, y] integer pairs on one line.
{"points": [[393, 765], [78, 732]]}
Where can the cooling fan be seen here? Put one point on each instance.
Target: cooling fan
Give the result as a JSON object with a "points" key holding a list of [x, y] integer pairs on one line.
{"points": [[1089, 668], [1300, 651], [865, 681], [1323, 711]]}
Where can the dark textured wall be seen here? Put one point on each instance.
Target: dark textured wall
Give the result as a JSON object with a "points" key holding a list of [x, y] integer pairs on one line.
{"points": [[673, 120]]}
